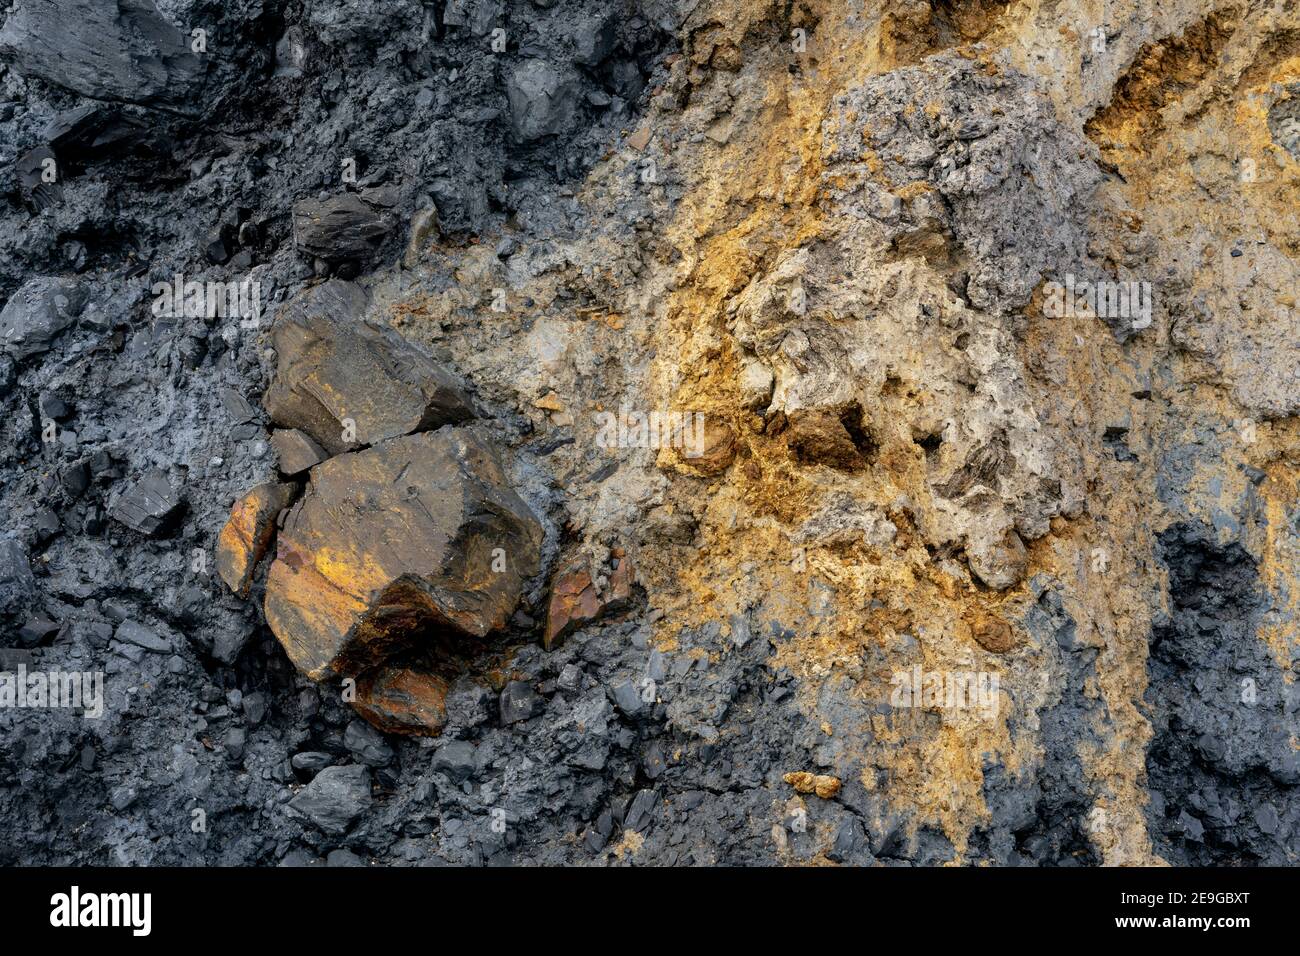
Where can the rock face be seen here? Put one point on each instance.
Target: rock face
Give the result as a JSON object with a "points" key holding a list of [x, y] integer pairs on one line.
{"points": [[124, 50], [416, 540], [248, 533], [347, 382], [922, 466]]}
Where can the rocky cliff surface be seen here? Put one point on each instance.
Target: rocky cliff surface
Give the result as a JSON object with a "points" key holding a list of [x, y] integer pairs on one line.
{"points": [[661, 432]]}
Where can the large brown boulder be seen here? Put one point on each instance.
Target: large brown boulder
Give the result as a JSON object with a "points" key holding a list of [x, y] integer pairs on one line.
{"points": [[415, 541], [348, 382]]}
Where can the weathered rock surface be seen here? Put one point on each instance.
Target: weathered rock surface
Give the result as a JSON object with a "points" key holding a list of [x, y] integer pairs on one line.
{"points": [[124, 50], [36, 314], [295, 451], [401, 700], [415, 541], [150, 506], [348, 382], [248, 533], [343, 228]]}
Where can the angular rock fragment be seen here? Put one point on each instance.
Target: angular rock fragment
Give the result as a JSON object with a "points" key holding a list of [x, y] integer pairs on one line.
{"points": [[150, 506], [36, 314], [129, 632], [416, 539], [399, 700], [124, 50], [999, 562], [39, 178], [335, 798], [348, 382], [823, 785], [519, 702], [575, 600], [295, 451], [17, 584], [543, 99], [248, 533], [340, 229]]}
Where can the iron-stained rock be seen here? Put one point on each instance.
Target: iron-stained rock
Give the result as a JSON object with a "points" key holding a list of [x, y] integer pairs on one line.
{"points": [[296, 451], [248, 533], [394, 545], [149, 506], [348, 382], [399, 700], [341, 228], [123, 50], [575, 600]]}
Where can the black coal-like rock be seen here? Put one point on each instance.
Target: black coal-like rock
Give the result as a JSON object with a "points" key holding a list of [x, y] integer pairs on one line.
{"points": [[367, 745], [123, 51], [335, 798], [519, 702], [456, 759], [149, 506], [340, 228]]}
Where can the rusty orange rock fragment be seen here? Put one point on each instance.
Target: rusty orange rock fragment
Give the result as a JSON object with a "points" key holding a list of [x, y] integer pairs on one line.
{"points": [[399, 700], [248, 532], [822, 785], [576, 601]]}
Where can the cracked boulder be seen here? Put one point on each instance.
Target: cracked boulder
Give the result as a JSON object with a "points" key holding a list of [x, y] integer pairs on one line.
{"points": [[347, 382], [415, 543]]}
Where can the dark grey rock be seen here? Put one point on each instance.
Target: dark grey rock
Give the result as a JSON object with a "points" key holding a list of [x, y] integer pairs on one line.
{"points": [[130, 632], [455, 758], [123, 51], [519, 702], [367, 745], [148, 506], [543, 99], [335, 798], [37, 313]]}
